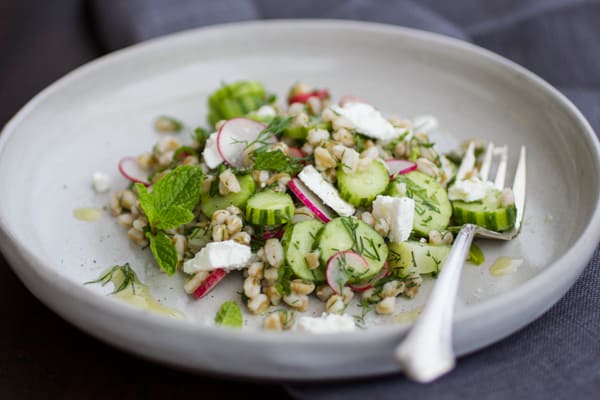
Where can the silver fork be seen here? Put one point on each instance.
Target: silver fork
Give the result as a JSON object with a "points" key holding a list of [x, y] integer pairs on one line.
{"points": [[426, 352]]}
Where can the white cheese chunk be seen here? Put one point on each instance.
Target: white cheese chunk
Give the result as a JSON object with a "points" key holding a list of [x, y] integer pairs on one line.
{"points": [[325, 191], [228, 255], [101, 182], [367, 120], [398, 212], [211, 155], [471, 189], [266, 111], [326, 323]]}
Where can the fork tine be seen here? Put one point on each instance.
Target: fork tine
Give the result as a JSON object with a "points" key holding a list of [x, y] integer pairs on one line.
{"points": [[519, 188], [487, 162], [501, 171]]}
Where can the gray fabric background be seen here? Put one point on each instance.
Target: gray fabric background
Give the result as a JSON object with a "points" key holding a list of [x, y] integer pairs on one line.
{"points": [[557, 356]]}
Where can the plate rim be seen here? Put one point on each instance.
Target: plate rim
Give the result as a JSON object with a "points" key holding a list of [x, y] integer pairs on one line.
{"points": [[34, 268]]}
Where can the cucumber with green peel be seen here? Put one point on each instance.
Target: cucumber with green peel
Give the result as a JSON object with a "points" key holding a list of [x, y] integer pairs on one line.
{"points": [[348, 233], [269, 208], [235, 100], [432, 207], [209, 204], [415, 257], [488, 212], [361, 187], [299, 132], [298, 240]]}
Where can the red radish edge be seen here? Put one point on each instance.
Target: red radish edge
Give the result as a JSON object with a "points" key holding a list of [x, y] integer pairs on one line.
{"points": [[348, 98], [210, 282], [128, 176], [220, 144], [361, 287], [303, 97], [298, 188], [331, 268], [272, 234], [295, 152], [398, 167]]}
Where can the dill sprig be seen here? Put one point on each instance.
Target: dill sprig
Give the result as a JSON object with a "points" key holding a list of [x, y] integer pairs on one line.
{"points": [[359, 246], [128, 277]]}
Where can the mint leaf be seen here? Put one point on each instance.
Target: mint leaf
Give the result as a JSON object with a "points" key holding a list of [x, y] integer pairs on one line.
{"points": [[229, 314], [164, 252], [173, 198], [276, 161]]}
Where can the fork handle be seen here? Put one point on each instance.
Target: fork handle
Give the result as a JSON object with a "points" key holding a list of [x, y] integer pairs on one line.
{"points": [[426, 352]]}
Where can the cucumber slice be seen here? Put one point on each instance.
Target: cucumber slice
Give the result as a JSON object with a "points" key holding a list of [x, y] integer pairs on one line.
{"points": [[361, 187], [348, 233], [269, 208], [299, 132], [209, 204], [487, 213], [432, 207], [299, 240], [416, 257]]}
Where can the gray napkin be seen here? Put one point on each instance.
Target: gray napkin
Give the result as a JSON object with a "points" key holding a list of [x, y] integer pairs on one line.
{"points": [[558, 356]]}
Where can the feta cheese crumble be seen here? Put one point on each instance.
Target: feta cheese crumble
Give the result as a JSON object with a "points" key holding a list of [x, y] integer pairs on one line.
{"points": [[469, 190], [325, 191], [227, 255], [211, 155], [367, 120], [326, 323], [398, 212], [101, 182]]}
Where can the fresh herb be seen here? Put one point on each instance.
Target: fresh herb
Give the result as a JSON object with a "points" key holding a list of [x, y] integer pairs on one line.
{"points": [[164, 251], [366, 307], [284, 277], [121, 275], [273, 130], [201, 136], [230, 315], [360, 244], [475, 255], [276, 161], [173, 198]]}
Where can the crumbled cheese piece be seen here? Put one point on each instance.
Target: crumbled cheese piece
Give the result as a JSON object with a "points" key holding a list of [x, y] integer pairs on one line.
{"points": [[471, 189], [468, 163], [266, 111], [101, 182], [325, 191], [211, 155], [367, 120], [326, 323], [398, 212], [228, 255]]}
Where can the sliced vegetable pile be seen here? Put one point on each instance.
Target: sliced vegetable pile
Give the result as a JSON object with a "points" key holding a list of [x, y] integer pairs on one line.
{"points": [[307, 197]]}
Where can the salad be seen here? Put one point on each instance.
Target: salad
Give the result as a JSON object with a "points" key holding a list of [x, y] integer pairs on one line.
{"points": [[313, 200]]}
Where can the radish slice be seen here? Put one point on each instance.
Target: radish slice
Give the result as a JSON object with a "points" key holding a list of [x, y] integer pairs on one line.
{"points": [[337, 266], [311, 201], [278, 233], [295, 152], [129, 168], [361, 287], [234, 136], [348, 98], [303, 97], [210, 282], [396, 167]]}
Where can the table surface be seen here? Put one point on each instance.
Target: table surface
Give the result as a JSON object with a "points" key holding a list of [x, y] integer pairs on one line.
{"points": [[41, 355]]}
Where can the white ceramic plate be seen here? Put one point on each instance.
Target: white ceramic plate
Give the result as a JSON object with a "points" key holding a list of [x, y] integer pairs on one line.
{"points": [[104, 110]]}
